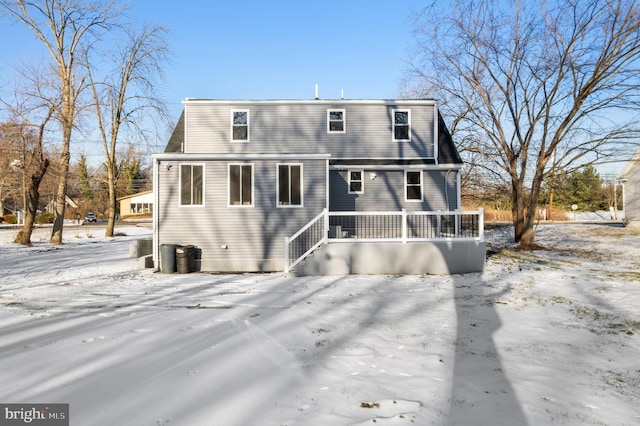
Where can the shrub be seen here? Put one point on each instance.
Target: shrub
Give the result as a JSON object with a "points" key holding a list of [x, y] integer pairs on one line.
{"points": [[10, 218], [45, 217]]}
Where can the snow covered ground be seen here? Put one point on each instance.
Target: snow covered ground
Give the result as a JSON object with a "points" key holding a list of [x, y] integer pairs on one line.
{"points": [[543, 337]]}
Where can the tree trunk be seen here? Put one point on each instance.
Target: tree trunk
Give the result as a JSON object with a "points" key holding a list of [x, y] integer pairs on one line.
{"points": [[550, 212], [525, 216], [112, 205], [24, 236], [517, 211], [61, 193]]}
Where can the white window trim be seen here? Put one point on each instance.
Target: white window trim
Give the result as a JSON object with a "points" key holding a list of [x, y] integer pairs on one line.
{"points": [[190, 206], [406, 185], [349, 181], [248, 126], [344, 121], [393, 124], [289, 206], [253, 193]]}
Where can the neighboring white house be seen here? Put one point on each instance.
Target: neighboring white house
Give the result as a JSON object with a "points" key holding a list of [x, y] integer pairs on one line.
{"points": [[136, 204], [630, 182]]}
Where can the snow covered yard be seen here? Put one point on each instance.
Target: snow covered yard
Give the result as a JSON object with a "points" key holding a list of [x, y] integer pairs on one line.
{"points": [[543, 337]]}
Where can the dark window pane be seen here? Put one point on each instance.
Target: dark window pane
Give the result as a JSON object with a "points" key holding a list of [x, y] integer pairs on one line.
{"points": [[336, 126], [246, 185], [356, 176], [283, 186], [401, 117], [335, 115], [401, 132], [413, 178], [234, 185], [240, 117], [296, 181], [240, 133], [413, 193], [355, 186], [196, 196], [185, 185]]}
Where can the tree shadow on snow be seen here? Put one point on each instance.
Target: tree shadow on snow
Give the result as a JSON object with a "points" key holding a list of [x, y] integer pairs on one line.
{"points": [[481, 393]]}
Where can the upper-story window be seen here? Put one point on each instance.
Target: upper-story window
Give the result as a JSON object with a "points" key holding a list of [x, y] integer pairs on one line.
{"points": [[289, 185], [356, 183], [401, 125], [191, 185], [336, 121], [240, 125]]}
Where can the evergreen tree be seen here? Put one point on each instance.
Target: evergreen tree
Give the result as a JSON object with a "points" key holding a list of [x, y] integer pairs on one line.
{"points": [[84, 179]]}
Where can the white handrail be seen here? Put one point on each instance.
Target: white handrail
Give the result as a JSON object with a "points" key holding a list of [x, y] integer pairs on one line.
{"points": [[455, 233]]}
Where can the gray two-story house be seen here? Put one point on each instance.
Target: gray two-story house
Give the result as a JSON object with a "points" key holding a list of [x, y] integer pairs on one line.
{"points": [[319, 186]]}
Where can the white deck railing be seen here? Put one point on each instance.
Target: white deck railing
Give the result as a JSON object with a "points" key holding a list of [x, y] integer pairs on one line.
{"points": [[402, 226]]}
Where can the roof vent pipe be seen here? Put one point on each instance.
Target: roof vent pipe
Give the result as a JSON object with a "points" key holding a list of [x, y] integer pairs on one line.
{"points": [[317, 92]]}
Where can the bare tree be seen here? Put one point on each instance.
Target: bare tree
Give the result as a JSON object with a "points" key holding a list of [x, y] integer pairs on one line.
{"points": [[10, 155], [127, 97], [34, 103], [533, 79], [65, 27]]}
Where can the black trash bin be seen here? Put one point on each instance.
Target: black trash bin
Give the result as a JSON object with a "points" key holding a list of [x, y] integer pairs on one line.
{"points": [[186, 259], [168, 258]]}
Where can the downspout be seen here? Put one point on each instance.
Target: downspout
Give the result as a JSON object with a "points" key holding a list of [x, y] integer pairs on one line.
{"points": [[326, 188], [436, 135], [446, 189], [459, 188], [155, 214]]}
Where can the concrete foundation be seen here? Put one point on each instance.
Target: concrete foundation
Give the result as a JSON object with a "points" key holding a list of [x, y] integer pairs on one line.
{"points": [[413, 258]]}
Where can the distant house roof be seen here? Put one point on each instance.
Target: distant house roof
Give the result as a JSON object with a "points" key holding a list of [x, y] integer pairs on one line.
{"points": [[134, 195]]}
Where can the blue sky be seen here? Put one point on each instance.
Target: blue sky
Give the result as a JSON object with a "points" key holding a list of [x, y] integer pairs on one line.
{"points": [[280, 49], [258, 49]]}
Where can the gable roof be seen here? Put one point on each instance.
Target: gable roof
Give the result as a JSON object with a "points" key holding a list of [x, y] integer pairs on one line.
{"points": [[176, 141], [447, 152]]}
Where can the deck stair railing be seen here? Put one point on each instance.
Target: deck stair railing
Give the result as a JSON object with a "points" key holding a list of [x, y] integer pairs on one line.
{"points": [[401, 226]]}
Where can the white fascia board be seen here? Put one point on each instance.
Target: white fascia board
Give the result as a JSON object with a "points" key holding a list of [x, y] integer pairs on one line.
{"points": [[395, 166], [195, 101], [230, 156]]}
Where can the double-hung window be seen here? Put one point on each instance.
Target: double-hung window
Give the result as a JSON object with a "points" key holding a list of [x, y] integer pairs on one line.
{"points": [[356, 182], [289, 185], [336, 121], [401, 125], [413, 185], [240, 125], [191, 184], [241, 185]]}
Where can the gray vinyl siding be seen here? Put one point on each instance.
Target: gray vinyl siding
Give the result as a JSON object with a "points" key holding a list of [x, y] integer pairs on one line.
{"points": [[302, 127], [386, 192], [253, 236]]}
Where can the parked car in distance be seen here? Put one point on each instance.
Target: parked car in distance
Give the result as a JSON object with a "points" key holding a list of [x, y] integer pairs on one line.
{"points": [[90, 217]]}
